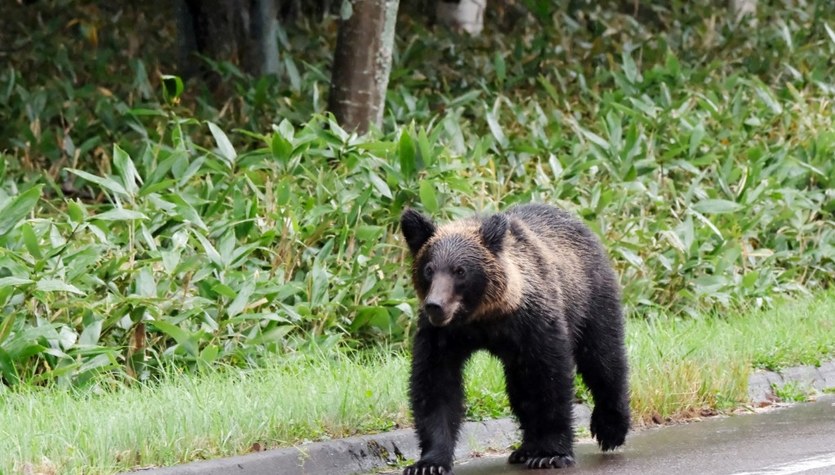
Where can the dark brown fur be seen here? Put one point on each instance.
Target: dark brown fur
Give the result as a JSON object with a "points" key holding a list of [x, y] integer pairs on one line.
{"points": [[534, 287]]}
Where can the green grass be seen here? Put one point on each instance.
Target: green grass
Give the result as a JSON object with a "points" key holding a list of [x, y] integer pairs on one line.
{"points": [[200, 416], [792, 392], [683, 365], [678, 367]]}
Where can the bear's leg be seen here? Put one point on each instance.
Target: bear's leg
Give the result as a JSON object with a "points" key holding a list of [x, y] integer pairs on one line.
{"points": [[437, 396], [539, 381], [601, 361]]}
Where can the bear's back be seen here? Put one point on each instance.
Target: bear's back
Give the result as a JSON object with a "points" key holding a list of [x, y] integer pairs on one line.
{"points": [[555, 227], [564, 255]]}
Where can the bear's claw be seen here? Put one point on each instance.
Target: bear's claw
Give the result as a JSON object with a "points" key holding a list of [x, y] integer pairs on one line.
{"points": [[557, 461], [427, 468], [538, 459], [518, 456]]}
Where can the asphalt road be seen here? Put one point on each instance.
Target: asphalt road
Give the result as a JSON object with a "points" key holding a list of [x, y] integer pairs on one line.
{"points": [[792, 440]]}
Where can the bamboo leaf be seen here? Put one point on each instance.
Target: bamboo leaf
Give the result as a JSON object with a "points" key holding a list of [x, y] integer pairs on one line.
{"points": [[428, 197], [716, 206], [56, 285], [379, 185], [178, 334], [227, 151], [17, 208], [106, 183], [241, 299], [120, 214]]}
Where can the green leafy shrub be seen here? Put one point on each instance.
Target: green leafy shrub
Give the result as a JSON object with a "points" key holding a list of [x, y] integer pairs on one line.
{"points": [[203, 255], [700, 151]]}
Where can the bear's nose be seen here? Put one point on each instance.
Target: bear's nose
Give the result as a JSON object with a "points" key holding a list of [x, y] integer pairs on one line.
{"points": [[434, 310]]}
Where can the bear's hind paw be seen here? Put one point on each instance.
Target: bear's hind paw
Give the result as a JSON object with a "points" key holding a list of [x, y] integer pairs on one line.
{"points": [[427, 468], [609, 428], [556, 461]]}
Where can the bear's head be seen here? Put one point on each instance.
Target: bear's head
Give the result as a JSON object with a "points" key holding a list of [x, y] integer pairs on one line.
{"points": [[458, 269]]}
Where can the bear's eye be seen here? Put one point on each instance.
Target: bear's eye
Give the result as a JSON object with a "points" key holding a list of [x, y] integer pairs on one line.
{"points": [[459, 271], [428, 271]]}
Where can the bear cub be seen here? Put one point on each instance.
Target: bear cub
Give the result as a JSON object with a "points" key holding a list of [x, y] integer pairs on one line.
{"points": [[533, 286]]}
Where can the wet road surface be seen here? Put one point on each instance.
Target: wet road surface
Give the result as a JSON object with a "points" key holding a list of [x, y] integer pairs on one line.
{"points": [[784, 441]]}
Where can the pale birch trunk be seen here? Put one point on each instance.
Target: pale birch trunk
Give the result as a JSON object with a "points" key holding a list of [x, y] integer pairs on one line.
{"points": [[262, 38], [464, 15]]}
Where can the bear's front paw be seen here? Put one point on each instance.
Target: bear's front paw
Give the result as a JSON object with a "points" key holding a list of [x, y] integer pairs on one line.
{"points": [[609, 427], [556, 461], [428, 468], [523, 453], [519, 455], [537, 458]]}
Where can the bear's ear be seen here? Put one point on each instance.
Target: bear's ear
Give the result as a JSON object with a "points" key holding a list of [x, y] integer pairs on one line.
{"points": [[416, 228], [493, 231]]}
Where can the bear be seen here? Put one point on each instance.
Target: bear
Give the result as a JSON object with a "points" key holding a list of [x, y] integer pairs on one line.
{"points": [[534, 287]]}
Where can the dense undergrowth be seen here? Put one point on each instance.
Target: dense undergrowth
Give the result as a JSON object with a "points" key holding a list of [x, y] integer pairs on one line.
{"points": [[136, 229]]}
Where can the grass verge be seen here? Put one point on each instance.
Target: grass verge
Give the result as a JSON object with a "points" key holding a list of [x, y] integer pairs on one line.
{"points": [[682, 366], [679, 366]]}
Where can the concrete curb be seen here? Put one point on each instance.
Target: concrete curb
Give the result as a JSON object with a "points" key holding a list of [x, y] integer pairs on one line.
{"points": [[761, 383], [363, 454], [360, 454]]}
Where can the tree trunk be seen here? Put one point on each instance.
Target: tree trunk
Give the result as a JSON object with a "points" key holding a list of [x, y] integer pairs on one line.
{"points": [[466, 15], [262, 41], [242, 32], [741, 8], [362, 63]]}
